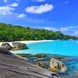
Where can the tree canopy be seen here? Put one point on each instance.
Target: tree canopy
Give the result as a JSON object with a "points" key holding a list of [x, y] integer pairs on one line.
{"points": [[10, 32]]}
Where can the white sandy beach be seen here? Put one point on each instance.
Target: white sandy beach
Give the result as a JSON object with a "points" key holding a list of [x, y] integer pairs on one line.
{"points": [[27, 42]]}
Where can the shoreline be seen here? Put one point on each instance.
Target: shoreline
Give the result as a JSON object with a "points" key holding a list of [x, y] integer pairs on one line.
{"points": [[34, 41], [28, 42]]}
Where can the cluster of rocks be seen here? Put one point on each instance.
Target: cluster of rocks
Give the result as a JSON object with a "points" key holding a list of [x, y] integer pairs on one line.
{"points": [[12, 66], [15, 46], [55, 63], [49, 63]]}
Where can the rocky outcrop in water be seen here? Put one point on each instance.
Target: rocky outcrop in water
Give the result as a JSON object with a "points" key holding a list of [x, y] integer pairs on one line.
{"points": [[57, 66], [19, 46], [12, 66], [41, 55], [44, 62], [14, 46]]}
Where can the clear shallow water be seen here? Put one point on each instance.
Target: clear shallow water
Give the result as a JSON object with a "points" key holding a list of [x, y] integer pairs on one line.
{"points": [[67, 48]]}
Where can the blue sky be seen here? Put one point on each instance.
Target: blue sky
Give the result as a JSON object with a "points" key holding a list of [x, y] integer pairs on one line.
{"points": [[56, 15]]}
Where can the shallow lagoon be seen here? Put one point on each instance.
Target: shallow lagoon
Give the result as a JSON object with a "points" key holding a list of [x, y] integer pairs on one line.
{"points": [[67, 48]]}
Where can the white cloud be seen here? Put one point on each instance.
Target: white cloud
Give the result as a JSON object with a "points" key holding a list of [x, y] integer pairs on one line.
{"points": [[68, 28], [8, 0], [75, 33], [13, 5], [39, 0], [73, 30], [21, 15], [7, 9], [5, 1], [51, 28], [63, 29], [39, 9]]}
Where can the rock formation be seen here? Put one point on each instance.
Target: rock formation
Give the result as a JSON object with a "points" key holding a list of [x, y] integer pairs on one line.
{"points": [[19, 46], [41, 55], [6, 46], [12, 66], [57, 66]]}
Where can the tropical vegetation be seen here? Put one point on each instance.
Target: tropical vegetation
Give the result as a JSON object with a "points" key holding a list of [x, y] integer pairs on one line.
{"points": [[10, 32]]}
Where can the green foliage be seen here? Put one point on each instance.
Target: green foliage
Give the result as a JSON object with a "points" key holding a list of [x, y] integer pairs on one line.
{"points": [[10, 32]]}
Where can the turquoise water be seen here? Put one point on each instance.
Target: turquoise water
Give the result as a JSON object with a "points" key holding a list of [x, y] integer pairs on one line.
{"points": [[67, 48]]}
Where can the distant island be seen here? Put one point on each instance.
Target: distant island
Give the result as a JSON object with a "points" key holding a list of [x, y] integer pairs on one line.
{"points": [[10, 32]]}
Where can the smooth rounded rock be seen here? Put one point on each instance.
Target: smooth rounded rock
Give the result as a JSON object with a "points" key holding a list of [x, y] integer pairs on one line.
{"points": [[19, 46], [57, 66]]}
